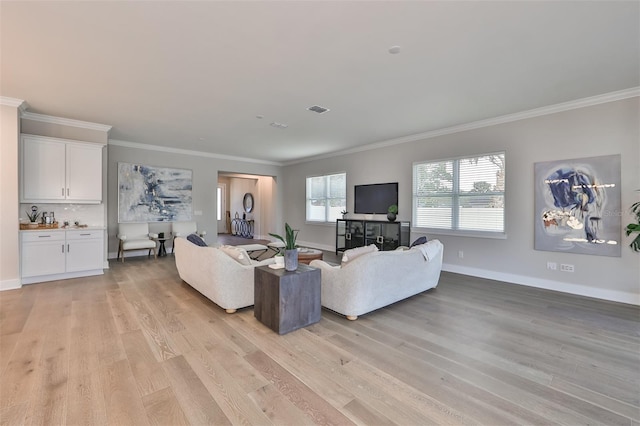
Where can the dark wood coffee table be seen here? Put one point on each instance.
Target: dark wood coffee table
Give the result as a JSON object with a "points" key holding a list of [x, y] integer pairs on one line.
{"points": [[310, 254], [286, 301]]}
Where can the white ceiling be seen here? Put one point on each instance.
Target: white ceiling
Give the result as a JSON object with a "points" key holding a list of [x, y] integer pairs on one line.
{"points": [[194, 75]]}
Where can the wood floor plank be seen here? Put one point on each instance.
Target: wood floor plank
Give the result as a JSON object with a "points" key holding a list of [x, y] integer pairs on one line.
{"points": [[123, 316], [21, 373], [163, 408], [365, 414], [14, 415], [307, 401], [147, 371], [222, 386], [197, 404], [122, 400], [49, 396]]}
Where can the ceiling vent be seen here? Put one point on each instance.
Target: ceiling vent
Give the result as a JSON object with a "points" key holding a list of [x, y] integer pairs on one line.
{"points": [[318, 109]]}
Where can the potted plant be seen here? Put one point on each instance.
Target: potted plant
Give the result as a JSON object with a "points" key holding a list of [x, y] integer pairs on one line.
{"points": [[392, 211], [290, 249], [344, 213], [634, 227], [33, 216]]}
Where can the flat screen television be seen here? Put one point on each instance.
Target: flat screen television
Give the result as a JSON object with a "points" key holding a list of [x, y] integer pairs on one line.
{"points": [[375, 198]]}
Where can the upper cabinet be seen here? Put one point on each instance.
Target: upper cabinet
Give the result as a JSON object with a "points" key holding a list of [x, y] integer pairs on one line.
{"points": [[60, 170]]}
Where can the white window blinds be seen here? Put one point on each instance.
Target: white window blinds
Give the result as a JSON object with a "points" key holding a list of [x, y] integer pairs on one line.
{"points": [[461, 194]]}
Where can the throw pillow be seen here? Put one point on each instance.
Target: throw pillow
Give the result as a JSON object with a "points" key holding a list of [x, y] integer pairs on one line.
{"points": [[195, 239], [240, 255], [353, 253], [419, 241]]}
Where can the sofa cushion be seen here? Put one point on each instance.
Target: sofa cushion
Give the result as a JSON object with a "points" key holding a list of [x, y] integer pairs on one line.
{"points": [[419, 241], [353, 253], [195, 239], [239, 254]]}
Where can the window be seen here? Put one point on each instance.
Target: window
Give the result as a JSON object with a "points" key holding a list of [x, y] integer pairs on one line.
{"points": [[463, 195], [326, 197]]}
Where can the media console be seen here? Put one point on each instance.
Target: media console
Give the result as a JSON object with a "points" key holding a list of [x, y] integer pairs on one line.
{"points": [[352, 233]]}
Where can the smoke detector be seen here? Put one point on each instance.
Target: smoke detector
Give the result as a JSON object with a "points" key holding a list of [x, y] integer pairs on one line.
{"points": [[318, 109]]}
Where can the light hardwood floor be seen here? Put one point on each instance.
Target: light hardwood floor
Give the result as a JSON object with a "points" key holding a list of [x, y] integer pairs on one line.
{"points": [[138, 346]]}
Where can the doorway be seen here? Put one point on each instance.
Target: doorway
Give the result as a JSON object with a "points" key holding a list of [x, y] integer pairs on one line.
{"points": [[222, 211]]}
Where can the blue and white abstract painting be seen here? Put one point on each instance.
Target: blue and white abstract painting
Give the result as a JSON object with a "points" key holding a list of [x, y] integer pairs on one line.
{"points": [[577, 206], [153, 194]]}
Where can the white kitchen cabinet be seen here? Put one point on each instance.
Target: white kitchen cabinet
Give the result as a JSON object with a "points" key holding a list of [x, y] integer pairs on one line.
{"points": [[59, 254], [84, 250], [43, 253], [60, 170]]}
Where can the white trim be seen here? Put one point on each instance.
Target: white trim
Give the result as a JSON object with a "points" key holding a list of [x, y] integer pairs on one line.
{"points": [[64, 276], [316, 246], [189, 152], [66, 122], [10, 284], [537, 112], [577, 289], [12, 102]]}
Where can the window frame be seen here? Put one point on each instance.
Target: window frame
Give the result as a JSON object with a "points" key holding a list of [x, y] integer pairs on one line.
{"points": [[455, 196], [326, 198]]}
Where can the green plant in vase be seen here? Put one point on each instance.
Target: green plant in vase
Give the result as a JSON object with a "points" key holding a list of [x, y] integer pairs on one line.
{"points": [[392, 211], [290, 249], [33, 215], [634, 227]]}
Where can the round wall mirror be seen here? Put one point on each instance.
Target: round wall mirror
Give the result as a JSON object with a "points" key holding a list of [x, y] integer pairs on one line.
{"points": [[247, 202]]}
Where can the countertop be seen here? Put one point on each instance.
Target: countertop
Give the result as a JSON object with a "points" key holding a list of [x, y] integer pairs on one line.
{"points": [[68, 228]]}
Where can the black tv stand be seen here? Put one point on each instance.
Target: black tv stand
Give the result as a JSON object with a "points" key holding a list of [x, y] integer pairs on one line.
{"points": [[352, 233]]}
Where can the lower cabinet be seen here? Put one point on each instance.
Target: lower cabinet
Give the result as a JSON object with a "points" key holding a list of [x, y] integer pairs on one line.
{"points": [[59, 254], [352, 233]]}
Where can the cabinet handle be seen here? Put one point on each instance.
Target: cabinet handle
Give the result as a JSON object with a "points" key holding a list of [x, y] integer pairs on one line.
{"points": [[44, 236], [63, 248], [67, 192], [67, 248], [63, 192], [84, 234]]}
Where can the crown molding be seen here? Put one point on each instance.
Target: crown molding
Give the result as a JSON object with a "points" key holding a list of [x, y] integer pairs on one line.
{"points": [[537, 112], [66, 122], [189, 152], [13, 102]]}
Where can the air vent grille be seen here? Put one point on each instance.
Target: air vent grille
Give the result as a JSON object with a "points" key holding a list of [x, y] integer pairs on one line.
{"points": [[318, 109]]}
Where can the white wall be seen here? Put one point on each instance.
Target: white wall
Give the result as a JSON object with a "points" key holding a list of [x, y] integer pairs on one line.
{"points": [[205, 179], [9, 225], [604, 129]]}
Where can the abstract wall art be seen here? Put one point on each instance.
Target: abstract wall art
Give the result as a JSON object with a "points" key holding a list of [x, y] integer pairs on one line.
{"points": [[153, 194], [577, 206]]}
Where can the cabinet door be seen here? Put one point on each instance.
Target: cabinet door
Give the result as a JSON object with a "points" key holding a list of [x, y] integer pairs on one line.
{"points": [[43, 169], [84, 250], [43, 254], [84, 172]]}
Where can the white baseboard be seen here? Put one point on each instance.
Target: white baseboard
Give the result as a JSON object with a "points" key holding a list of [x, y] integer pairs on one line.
{"points": [[10, 284], [316, 246], [64, 276], [580, 290]]}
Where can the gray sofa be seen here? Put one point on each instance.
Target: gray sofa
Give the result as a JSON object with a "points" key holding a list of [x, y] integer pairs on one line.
{"points": [[217, 275], [374, 280]]}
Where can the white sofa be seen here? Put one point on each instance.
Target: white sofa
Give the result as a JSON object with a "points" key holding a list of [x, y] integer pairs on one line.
{"points": [[374, 280], [216, 275]]}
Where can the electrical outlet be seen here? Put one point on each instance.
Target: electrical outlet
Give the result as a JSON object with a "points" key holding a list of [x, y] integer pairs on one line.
{"points": [[565, 267], [552, 266], [461, 254]]}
